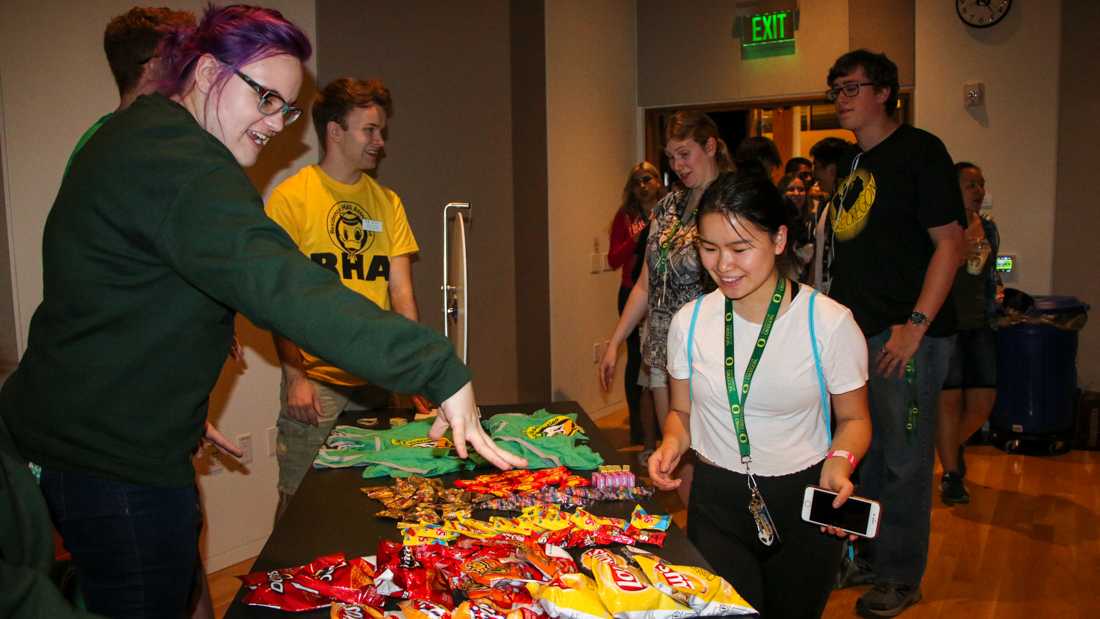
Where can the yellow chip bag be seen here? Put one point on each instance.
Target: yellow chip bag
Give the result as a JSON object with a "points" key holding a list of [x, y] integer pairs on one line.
{"points": [[625, 592], [707, 594], [571, 596], [423, 609]]}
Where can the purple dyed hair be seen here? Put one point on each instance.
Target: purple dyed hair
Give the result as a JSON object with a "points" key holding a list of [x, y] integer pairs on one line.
{"points": [[236, 35]]}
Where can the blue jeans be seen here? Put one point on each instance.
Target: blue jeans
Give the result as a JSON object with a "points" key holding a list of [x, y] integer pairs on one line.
{"points": [[897, 470], [135, 547]]}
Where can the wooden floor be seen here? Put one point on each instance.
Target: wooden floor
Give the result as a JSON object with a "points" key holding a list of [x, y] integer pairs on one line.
{"points": [[1028, 544]]}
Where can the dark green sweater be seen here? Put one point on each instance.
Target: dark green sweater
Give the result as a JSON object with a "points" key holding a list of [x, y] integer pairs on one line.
{"points": [[26, 544], [155, 239]]}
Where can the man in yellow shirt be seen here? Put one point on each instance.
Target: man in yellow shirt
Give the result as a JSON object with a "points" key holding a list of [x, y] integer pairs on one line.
{"points": [[343, 220]]}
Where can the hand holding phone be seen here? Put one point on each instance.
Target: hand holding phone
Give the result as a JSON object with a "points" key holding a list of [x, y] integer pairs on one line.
{"points": [[857, 515]]}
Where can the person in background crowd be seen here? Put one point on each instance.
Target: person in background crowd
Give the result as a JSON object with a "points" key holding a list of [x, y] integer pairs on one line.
{"points": [[898, 242], [803, 168], [778, 439], [110, 399], [130, 43], [671, 275], [796, 198], [829, 155], [758, 150], [971, 385], [342, 219], [641, 193]]}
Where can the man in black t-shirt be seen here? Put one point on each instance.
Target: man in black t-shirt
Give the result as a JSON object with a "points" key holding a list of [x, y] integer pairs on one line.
{"points": [[898, 240]]}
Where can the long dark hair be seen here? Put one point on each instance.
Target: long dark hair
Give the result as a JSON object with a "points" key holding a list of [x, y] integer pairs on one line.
{"points": [[752, 198]]}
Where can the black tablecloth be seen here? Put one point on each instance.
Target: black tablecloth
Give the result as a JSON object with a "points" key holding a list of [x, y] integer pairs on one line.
{"points": [[329, 514]]}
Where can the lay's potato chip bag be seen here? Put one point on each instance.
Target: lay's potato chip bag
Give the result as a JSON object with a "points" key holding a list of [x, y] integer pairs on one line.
{"points": [[707, 594]]}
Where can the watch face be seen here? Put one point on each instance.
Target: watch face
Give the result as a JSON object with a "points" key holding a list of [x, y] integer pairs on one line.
{"points": [[982, 13]]}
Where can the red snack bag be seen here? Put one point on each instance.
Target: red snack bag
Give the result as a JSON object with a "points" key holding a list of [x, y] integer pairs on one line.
{"points": [[340, 610], [422, 609], [275, 589], [401, 575], [653, 538]]}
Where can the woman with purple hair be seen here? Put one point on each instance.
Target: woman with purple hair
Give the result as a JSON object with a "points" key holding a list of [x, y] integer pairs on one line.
{"points": [[156, 238]]}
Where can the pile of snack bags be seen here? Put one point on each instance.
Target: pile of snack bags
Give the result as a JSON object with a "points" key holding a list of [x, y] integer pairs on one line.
{"points": [[495, 580], [507, 568], [425, 499]]}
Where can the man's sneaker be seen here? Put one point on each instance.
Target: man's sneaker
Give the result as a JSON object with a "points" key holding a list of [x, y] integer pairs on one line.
{"points": [[887, 600], [952, 489], [853, 573]]}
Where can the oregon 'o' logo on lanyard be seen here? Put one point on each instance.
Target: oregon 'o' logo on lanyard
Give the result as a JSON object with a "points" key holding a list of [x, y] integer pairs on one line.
{"points": [[346, 229], [852, 203]]}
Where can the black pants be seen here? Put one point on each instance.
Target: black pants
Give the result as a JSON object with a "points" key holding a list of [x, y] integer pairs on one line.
{"points": [[790, 579], [630, 375]]}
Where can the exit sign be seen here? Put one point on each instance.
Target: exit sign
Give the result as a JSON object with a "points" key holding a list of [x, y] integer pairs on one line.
{"points": [[767, 34]]}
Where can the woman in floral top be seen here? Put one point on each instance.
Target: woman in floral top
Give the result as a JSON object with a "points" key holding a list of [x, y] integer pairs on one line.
{"points": [[671, 275]]}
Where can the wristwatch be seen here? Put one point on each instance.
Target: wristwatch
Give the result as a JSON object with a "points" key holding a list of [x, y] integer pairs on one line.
{"points": [[918, 318]]}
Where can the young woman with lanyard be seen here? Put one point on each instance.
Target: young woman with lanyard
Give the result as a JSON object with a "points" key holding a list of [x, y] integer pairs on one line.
{"points": [[671, 275], [756, 456]]}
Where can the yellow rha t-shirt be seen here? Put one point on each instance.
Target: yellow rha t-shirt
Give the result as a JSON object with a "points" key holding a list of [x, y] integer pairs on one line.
{"points": [[352, 230]]}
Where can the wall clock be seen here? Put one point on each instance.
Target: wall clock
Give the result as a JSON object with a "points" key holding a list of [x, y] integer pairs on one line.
{"points": [[982, 13]]}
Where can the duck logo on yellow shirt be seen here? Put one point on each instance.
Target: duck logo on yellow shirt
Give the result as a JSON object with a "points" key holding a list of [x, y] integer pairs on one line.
{"points": [[347, 230], [852, 203]]}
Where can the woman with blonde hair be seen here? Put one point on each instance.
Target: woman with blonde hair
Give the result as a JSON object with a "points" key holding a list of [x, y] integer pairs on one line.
{"points": [[671, 275], [627, 251]]}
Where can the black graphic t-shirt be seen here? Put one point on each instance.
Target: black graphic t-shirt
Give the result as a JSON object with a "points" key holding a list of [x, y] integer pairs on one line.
{"points": [[881, 216]]}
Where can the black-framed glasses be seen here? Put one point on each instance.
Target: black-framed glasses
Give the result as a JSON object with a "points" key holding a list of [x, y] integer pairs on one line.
{"points": [[271, 102], [850, 89]]}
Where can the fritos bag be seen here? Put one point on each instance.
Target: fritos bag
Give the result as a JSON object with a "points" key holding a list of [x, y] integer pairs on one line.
{"points": [[707, 594]]}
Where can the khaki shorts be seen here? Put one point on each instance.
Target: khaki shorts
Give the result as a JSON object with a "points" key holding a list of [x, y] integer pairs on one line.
{"points": [[297, 443]]}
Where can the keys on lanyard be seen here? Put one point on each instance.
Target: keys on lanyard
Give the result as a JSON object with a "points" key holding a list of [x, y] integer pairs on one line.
{"points": [[765, 526]]}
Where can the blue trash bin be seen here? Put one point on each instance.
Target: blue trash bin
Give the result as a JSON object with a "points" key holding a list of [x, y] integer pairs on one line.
{"points": [[1037, 376]]}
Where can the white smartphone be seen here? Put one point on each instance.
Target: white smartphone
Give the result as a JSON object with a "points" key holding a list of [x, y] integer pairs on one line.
{"points": [[857, 515]]}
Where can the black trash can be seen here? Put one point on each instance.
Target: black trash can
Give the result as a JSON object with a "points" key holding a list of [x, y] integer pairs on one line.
{"points": [[1037, 375]]}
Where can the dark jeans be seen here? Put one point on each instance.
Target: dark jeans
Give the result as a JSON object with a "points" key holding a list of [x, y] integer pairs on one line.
{"points": [[630, 374], [897, 470], [135, 547], [791, 579]]}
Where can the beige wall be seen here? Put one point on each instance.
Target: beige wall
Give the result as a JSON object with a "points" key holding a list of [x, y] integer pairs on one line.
{"points": [[9, 344], [47, 104], [689, 56], [1077, 225], [591, 146], [447, 65], [1014, 137]]}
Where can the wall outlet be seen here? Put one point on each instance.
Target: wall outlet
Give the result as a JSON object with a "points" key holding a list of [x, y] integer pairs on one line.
{"points": [[272, 441], [604, 263], [244, 441], [597, 262], [599, 349]]}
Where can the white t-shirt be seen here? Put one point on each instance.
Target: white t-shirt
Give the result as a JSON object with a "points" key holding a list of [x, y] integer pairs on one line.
{"points": [[783, 415]]}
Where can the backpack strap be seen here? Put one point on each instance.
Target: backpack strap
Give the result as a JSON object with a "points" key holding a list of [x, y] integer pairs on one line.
{"points": [[691, 336], [820, 374]]}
